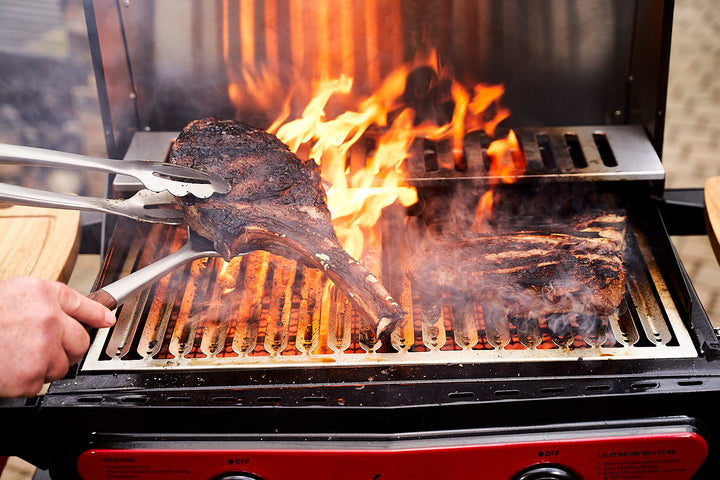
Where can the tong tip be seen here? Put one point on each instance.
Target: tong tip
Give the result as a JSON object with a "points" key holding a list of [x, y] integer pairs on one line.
{"points": [[181, 181]]}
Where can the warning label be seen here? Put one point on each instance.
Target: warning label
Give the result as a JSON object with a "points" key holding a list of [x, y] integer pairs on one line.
{"points": [[128, 468], [638, 464]]}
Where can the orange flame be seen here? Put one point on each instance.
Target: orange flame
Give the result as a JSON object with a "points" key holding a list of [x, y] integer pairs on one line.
{"points": [[485, 96], [227, 275], [356, 198], [335, 118], [507, 163]]}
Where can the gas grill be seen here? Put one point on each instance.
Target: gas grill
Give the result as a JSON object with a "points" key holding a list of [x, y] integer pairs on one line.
{"points": [[259, 368]]}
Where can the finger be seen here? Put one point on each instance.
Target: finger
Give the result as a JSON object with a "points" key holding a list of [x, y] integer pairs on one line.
{"points": [[26, 378], [57, 366], [75, 340], [83, 309]]}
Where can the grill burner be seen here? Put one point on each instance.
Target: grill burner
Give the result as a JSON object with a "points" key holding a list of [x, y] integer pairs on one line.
{"points": [[275, 315]]}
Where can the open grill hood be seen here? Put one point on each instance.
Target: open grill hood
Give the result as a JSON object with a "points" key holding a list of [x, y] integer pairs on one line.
{"points": [[589, 62]]}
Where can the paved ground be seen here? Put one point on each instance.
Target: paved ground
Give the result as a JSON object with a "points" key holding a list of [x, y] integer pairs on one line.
{"points": [[692, 129], [690, 156]]}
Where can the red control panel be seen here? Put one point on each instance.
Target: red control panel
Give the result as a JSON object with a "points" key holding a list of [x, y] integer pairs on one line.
{"points": [[603, 455]]}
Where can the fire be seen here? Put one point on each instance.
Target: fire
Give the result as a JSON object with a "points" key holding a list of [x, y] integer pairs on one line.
{"points": [[228, 273], [357, 198], [507, 162], [484, 97], [321, 116]]}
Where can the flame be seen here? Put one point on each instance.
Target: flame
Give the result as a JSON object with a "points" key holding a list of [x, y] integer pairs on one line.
{"points": [[227, 274], [311, 125], [462, 101], [357, 198], [356, 207], [507, 163], [483, 210], [323, 117], [356, 202], [484, 97]]}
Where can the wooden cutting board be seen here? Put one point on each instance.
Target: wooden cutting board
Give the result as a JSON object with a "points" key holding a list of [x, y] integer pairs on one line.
{"points": [[712, 212], [39, 242]]}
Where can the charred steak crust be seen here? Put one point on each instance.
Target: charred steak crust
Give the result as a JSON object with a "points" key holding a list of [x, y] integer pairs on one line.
{"points": [[567, 269], [240, 154], [277, 204]]}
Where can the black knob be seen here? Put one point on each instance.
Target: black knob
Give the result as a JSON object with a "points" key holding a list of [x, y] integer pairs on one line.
{"points": [[546, 472], [237, 476]]}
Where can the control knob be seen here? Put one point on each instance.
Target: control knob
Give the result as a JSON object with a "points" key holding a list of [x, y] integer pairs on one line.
{"points": [[546, 472], [237, 476]]}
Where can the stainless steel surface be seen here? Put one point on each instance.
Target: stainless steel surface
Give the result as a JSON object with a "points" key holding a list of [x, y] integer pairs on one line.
{"points": [[234, 330], [151, 145], [632, 157], [156, 176], [583, 62], [211, 332], [630, 148], [196, 247], [145, 206]]}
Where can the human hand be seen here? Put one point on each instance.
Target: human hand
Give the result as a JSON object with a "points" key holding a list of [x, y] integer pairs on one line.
{"points": [[41, 332]]}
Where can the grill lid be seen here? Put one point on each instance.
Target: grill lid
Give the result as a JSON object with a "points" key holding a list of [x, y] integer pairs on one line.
{"points": [[160, 65]]}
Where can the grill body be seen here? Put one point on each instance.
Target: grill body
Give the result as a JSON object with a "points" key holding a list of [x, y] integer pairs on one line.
{"points": [[642, 396]]}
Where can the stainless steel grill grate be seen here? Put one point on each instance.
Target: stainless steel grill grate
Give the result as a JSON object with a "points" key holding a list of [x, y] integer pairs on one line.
{"points": [[266, 311]]}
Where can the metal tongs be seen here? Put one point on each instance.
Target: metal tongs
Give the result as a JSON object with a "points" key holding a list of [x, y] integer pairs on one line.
{"points": [[163, 182], [145, 206], [156, 176], [123, 289]]}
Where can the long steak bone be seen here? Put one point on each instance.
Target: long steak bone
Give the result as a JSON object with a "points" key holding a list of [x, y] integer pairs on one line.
{"points": [[276, 204]]}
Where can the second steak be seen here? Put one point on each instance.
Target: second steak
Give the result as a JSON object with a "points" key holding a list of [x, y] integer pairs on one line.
{"points": [[574, 267]]}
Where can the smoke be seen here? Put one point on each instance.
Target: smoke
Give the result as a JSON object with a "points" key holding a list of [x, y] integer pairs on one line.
{"points": [[546, 255]]}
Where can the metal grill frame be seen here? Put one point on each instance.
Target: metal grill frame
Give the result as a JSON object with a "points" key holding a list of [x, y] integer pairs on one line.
{"points": [[636, 163]]}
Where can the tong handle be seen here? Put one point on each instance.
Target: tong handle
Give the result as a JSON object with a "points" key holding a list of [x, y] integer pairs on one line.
{"points": [[156, 176], [119, 291], [128, 208], [42, 198], [41, 157], [107, 300]]}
